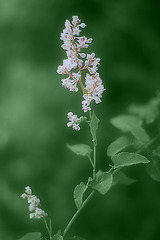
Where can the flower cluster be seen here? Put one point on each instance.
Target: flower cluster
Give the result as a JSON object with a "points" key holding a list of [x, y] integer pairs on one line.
{"points": [[34, 203], [79, 61], [73, 121]]}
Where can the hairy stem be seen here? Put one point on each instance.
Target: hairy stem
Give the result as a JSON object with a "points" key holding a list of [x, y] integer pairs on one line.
{"points": [[77, 213]]}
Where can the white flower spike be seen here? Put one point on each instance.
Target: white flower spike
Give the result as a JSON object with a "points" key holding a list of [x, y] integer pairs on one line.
{"points": [[77, 62], [34, 203]]}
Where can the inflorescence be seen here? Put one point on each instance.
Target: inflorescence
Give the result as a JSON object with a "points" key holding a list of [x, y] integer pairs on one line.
{"points": [[77, 62], [34, 203], [73, 121]]}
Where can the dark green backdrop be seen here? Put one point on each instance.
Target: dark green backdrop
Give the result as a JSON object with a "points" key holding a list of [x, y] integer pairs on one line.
{"points": [[33, 107]]}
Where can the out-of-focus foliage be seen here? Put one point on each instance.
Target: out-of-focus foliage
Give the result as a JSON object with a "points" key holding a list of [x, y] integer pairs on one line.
{"points": [[33, 107]]}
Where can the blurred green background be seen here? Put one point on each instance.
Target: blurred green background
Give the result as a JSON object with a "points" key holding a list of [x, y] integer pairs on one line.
{"points": [[33, 107]]}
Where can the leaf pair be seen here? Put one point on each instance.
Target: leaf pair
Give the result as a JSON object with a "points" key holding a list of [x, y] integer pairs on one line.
{"points": [[124, 158]]}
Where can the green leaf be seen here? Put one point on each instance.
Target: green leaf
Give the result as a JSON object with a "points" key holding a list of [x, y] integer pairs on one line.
{"points": [[122, 178], [153, 169], [57, 236], [83, 119], [118, 145], [78, 194], [103, 182], [80, 149], [32, 236], [149, 111], [127, 123], [94, 126], [127, 159]]}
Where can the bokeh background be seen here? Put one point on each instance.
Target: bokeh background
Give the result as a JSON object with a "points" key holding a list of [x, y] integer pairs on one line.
{"points": [[33, 107]]}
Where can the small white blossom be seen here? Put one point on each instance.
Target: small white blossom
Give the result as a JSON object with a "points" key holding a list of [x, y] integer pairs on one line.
{"points": [[34, 203], [28, 190], [70, 84], [24, 195], [76, 31], [75, 20], [74, 121], [82, 25], [82, 55]]}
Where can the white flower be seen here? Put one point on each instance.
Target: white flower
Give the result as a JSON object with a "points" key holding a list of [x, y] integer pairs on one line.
{"points": [[76, 31], [94, 88], [24, 195], [74, 121], [76, 63], [70, 84], [34, 203], [28, 190], [82, 25], [75, 20], [82, 55]]}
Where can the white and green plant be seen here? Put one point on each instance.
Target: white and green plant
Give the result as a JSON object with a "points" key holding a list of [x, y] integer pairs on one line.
{"points": [[80, 70]]}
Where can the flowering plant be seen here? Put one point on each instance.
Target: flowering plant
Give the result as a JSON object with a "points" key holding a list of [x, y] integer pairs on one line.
{"points": [[81, 70]]}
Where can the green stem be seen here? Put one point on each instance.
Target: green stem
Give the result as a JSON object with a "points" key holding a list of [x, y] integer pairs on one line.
{"points": [[48, 230], [77, 213], [50, 227], [94, 160], [148, 144], [91, 161], [94, 152]]}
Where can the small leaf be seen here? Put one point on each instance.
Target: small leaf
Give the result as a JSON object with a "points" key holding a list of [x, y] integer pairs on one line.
{"points": [[32, 236], [122, 178], [83, 119], [118, 145], [153, 170], [148, 112], [80, 149], [103, 182], [78, 194], [57, 236], [126, 159], [127, 123], [94, 126]]}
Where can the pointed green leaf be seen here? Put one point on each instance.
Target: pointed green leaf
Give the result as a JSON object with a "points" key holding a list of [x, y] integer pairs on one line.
{"points": [[122, 178], [103, 182], [127, 123], [118, 145], [148, 112], [80, 149], [57, 236], [78, 194], [83, 119], [94, 126], [126, 159], [31, 236], [153, 170]]}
